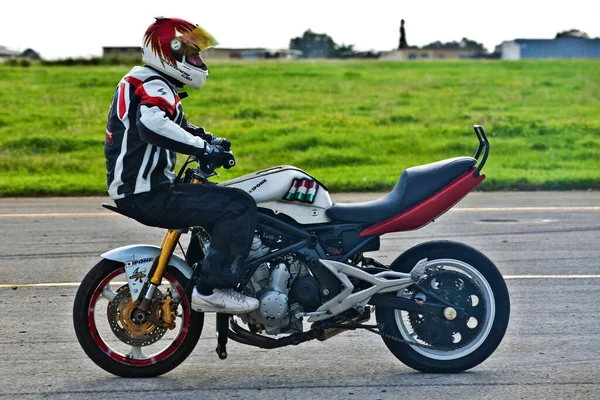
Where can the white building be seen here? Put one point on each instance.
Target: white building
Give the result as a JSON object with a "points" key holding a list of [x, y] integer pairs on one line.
{"points": [[564, 47], [6, 54]]}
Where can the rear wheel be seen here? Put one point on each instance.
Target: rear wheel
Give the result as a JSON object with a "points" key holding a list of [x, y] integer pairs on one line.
{"points": [[460, 276], [102, 317]]}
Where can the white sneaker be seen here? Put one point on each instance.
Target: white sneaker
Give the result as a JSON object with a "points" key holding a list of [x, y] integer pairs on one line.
{"points": [[226, 301]]}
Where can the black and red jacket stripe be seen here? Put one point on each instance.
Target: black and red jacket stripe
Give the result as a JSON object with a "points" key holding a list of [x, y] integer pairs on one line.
{"points": [[145, 129]]}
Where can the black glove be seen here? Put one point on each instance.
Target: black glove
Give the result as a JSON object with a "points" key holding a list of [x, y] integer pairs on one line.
{"points": [[218, 156], [224, 143], [212, 139], [207, 136]]}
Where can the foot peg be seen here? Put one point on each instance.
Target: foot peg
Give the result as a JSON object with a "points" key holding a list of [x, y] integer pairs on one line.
{"points": [[419, 270]]}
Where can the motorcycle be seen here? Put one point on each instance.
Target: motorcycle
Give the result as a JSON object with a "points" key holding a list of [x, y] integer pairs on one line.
{"points": [[441, 306]]}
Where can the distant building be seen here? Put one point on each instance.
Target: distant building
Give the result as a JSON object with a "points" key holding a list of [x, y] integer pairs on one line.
{"points": [[215, 53], [259, 53], [562, 47], [122, 52], [6, 54], [219, 53], [29, 54], [428, 54]]}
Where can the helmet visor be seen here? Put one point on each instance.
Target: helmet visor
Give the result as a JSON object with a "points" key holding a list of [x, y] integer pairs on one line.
{"points": [[197, 40]]}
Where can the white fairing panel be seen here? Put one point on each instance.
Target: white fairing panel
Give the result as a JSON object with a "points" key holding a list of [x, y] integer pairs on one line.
{"points": [[287, 190], [138, 259]]}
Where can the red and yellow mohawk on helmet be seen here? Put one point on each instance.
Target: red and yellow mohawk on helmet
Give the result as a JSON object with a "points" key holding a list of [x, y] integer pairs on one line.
{"points": [[160, 37]]}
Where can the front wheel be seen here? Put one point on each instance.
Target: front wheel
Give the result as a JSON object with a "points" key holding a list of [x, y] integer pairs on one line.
{"points": [[457, 275], [105, 329]]}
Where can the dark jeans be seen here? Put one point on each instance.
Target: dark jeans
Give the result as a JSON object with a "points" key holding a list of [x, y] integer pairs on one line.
{"points": [[228, 213]]}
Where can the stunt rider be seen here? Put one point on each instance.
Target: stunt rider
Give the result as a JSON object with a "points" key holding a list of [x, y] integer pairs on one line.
{"points": [[146, 126]]}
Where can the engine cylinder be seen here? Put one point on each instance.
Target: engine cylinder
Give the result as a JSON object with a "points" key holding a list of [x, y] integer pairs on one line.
{"points": [[274, 301]]}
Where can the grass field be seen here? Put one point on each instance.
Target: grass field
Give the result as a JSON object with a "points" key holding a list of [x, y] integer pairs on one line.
{"points": [[354, 125]]}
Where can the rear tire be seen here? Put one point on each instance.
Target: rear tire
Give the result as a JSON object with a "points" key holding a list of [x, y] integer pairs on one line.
{"points": [[109, 351], [477, 276]]}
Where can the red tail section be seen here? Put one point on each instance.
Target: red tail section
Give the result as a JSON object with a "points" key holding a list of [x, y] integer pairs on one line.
{"points": [[425, 212]]}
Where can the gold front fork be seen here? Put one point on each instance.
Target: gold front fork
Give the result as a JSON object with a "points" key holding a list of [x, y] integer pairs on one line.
{"points": [[166, 251]]}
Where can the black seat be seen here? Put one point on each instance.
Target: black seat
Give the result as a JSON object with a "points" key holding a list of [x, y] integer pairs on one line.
{"points": [[114, 209], [414, 185]]}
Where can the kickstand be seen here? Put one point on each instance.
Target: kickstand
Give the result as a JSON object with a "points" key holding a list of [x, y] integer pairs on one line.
{"points": [[222, 329]]}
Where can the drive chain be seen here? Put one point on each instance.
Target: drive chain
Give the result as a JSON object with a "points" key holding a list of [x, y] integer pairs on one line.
{"points": [[397, 339]]}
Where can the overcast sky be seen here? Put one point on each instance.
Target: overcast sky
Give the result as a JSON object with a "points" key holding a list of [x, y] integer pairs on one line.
{"points": [[61, 28]]}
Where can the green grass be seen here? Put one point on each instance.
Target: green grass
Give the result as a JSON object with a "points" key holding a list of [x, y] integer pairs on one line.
{"points": [[354, 125]]}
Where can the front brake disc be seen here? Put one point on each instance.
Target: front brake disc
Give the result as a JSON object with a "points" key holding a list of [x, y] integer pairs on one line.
{"points": [[125, 328]]}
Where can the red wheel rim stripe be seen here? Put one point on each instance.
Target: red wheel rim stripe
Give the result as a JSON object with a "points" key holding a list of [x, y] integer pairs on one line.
{"points": [[130, 361]]}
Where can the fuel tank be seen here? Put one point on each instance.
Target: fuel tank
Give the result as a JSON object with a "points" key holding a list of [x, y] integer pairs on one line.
{"points": [[287, 190]]}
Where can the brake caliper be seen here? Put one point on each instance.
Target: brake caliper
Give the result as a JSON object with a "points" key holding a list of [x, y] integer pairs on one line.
{"points": [[168, 314]]}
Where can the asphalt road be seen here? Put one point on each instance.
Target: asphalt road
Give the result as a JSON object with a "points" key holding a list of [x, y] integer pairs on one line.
{"points": [[545, 244]]}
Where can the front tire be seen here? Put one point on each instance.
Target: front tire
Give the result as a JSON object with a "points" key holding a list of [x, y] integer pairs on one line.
{"points": [[466, 278], [101, 318]]}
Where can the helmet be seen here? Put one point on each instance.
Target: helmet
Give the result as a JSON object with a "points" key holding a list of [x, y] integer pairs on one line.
{"points": [[173, 46]]}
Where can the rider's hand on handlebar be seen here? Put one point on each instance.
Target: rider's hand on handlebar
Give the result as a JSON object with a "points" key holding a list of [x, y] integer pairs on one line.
{"points": [[218, 156], [217, 141], [224, 143], [208, 137]]}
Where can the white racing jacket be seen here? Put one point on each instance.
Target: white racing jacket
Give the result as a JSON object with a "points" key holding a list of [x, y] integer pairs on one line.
{"points": [[145, 128]]}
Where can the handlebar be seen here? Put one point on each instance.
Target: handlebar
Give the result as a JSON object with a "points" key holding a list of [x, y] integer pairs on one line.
{"points": [[210, 167], [205, 169]]}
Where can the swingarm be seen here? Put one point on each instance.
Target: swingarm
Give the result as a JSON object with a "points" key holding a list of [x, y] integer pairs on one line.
{"points": [[381, 293]]}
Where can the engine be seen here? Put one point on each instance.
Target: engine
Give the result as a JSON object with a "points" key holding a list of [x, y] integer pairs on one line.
{"points": [[284, 287]]}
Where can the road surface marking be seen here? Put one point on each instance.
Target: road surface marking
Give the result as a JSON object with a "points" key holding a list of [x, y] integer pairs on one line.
{"points": [[464, 209], [48, 284], [62, 215], [507, 277], [518, 209], [551, 276]]}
